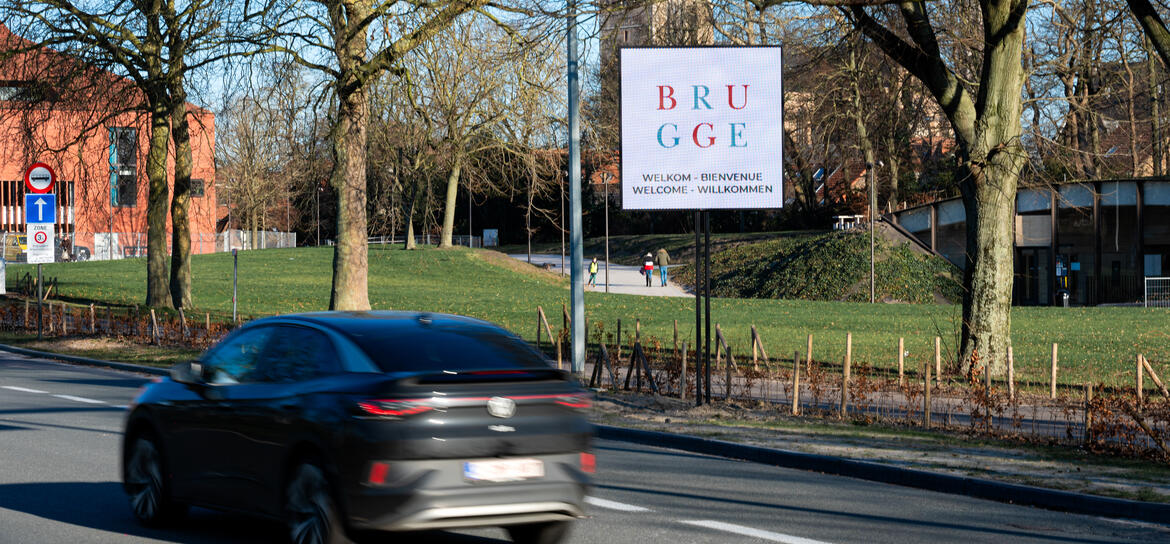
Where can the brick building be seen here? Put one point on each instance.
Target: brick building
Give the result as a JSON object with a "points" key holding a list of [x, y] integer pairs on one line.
{"points": [[88, 125]]}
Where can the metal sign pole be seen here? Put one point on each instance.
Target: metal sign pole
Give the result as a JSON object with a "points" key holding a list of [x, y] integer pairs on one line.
{"points": [[698, 309], [235, 267], [576, 277], [605, 180], [40, 298], [707, 304]]}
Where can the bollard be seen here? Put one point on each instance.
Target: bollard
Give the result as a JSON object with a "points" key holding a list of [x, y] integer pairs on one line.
{"points": [[1053, 393], [845, 375], [926, 397], [796, 383], [901, 362]]}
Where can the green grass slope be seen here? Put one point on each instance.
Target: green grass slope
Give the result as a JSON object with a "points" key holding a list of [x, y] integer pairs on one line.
{"points": [[829, 266]]}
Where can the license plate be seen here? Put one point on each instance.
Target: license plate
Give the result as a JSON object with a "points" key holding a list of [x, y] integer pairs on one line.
{"points": [[503, 470]]}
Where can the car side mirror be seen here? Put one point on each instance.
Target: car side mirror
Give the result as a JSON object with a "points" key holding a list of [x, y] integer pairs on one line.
{"points": [[187, 372]]}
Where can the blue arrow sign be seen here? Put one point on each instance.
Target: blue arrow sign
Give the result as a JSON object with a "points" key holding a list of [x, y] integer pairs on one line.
{"points": [[40, 208]]}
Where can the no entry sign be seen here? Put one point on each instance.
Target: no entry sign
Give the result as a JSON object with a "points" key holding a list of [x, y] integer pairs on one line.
{"points": [[39, 178]]}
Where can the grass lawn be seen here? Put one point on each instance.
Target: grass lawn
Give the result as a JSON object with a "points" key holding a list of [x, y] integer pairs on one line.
{"points": [[1096, 344]]}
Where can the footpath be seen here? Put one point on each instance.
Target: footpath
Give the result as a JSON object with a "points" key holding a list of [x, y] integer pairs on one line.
{"points": [[623, 279]]}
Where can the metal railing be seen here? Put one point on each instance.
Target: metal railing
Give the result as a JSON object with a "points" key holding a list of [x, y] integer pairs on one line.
{"points": [[1156, 293]]}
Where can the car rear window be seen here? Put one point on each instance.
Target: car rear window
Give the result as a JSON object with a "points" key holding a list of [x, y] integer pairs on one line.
{"points": [[453, 349]]}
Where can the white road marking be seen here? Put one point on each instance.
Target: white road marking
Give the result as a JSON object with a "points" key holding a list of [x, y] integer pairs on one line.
{"points": [[22, 389], [611, 505], [80, 399], [754, 533]]}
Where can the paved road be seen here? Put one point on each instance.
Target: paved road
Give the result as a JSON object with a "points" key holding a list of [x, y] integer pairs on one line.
{"points": [[60, 427], [623, 279]]}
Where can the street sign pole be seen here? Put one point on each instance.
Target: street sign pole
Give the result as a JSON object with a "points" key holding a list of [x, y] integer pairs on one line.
{"points": [[40, 298], [235, 267]]}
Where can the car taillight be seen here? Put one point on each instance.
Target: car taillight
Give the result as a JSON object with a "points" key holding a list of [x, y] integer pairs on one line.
{"points": [[580, 401], [396, 407], [588, 463], [378, 471]]}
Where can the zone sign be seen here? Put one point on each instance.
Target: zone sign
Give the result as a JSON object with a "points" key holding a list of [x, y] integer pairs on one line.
{"points": [[39, 178]]}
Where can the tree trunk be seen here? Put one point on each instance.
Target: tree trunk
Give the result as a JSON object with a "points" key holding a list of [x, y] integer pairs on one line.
{"points": [[1155, 107], [350, 255], [862, 131], [180, 207], [449, 207], [995, 159], [1153, 26], [157, 295]]}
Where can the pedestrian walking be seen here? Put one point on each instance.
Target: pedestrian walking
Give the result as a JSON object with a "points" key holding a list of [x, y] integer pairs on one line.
{"points": [[662, 259], [593, 272], [648, 268]]}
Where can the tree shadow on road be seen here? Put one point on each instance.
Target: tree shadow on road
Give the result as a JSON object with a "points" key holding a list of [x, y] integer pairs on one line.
{"points": [[103, 506]]}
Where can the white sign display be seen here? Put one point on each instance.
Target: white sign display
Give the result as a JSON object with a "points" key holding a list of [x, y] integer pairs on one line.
{"points": [[702, 128], [40, 243]]}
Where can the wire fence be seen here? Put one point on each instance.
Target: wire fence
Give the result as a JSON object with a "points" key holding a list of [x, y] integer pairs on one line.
{"points": [[103, 246], [1157, 293]]}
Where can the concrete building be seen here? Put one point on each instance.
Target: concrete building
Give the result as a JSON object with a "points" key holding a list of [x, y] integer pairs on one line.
{"points": [[1098, 240], [87, 125]]}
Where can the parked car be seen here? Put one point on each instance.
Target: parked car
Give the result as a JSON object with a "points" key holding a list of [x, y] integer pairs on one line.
{"points": [[346, 422]]}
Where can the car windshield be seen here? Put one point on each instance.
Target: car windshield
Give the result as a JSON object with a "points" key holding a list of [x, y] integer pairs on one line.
{"points": [[453, 349]]}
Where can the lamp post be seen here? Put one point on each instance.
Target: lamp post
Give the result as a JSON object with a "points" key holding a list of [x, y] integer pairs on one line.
{"points": [[605, 177], [869, 168], [320, 189]]}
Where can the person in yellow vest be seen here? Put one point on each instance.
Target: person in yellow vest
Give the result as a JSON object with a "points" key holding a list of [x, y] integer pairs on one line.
{"points": [[593, 272]]}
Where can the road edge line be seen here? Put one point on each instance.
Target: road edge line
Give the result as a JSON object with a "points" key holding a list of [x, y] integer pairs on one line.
{"points": [[1049, 499]]}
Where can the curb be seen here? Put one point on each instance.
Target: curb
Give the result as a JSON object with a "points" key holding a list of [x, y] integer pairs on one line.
{"points": [[1049, 499], [86, 361]]}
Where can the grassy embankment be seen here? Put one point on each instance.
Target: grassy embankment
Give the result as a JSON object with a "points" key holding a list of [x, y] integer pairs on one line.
{"points": [[1096, 344]]}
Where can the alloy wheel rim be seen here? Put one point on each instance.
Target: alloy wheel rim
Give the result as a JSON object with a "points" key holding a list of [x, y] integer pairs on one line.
{"points": [[145, 478], [308, 506]]}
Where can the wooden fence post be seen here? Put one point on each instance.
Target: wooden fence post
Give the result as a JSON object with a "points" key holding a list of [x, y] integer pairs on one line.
{"points": [[109, 319], [926, 397], [682, 380], [207, 323], [154, 336], [796, 383], [618, 344], [938, 360], [1011, 375], [64, 319], [183, 324], [845, 375], [539, 313], [26, 313], [1088, 413], [808, 355], [901, 362], [1054, 358], [755, 350], [1154, 376], [1140, 385], [92, 320]]}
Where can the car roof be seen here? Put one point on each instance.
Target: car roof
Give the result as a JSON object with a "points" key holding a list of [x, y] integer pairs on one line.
{"points": [[352, 323]]}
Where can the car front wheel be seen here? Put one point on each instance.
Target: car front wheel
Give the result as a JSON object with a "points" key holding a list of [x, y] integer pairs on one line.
{"points": [[539, 533], [149, 497], [310, 509]]}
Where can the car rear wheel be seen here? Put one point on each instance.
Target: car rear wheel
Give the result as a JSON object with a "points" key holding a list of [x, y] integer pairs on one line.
{"points": [[539, 533], [310, 509], [149, 496]]}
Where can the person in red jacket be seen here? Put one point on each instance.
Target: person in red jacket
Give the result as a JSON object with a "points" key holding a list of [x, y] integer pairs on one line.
{"points": [[648, 267]]}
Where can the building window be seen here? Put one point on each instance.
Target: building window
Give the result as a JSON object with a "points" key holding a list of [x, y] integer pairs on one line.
{"points": [[123, 166], [196, 188], [27, 91]]}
